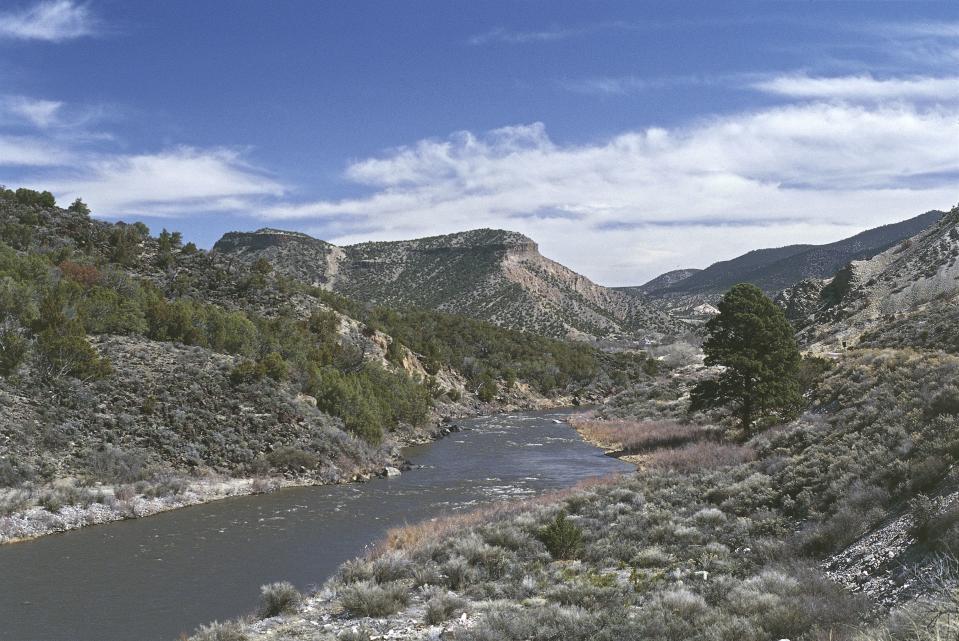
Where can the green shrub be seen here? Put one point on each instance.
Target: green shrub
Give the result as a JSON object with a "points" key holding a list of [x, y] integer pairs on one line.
{"points": [[562, 538], [487, 390], [289, 458], [65, 351], [13, 351]]}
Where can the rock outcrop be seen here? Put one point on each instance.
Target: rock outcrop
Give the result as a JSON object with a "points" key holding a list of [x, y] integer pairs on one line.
{"points": [[488, 274]]}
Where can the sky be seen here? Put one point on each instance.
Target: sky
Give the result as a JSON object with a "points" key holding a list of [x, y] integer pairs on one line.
{"points": [[626, 138]]}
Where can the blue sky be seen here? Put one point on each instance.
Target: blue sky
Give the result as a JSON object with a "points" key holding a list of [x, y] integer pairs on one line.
{"points": [[626, 138]]}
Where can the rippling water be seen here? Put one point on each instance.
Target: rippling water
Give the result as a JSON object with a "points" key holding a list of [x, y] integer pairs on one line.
{"points": [[156, 577]]}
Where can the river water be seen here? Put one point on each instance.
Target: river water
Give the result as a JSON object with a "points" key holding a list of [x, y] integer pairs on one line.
{"points": [[154, 578]]}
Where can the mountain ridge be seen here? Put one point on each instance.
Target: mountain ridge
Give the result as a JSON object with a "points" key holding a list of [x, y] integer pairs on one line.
{"points": [[774, 269], [489, 274]]}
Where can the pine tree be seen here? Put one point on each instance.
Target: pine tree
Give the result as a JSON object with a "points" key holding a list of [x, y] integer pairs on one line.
{"points": [[753, 341]]}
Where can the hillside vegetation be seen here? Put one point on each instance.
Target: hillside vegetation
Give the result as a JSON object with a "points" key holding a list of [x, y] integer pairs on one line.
{"points": [[842, 523], [132, 365], [705, 542], [904, 296], [486, 274]]}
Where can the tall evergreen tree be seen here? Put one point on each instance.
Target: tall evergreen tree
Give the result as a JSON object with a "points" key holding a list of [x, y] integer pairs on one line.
{"points": [[753, 341]]}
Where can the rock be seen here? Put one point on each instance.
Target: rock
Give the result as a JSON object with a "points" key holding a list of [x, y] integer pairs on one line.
{"points": [[306, 398], [391, 472]]}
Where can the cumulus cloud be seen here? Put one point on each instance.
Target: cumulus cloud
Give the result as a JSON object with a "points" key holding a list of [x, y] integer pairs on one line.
{"points": [[52, 21], [656, 199]]}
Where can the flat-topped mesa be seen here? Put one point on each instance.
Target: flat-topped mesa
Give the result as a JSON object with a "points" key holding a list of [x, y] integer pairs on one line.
{"points": [[511, 242], [490, 274], [262, 239]]}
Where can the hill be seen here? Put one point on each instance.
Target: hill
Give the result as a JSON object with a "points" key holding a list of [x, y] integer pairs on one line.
{"points": [[139, 373], [492, 275], [904, 296], [663, 281], [775, 269]]}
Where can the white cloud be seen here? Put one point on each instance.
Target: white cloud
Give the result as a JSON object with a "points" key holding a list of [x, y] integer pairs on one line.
{"points": [[646, 201], [29, 151], [52, 20], [863, 87], [37, 112], [921, 29], [521, 37], [175, 182]]}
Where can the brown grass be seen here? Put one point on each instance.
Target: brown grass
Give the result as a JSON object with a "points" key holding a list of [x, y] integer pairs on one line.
{"points": [[637, 436], [698, 456], [416, 535]]}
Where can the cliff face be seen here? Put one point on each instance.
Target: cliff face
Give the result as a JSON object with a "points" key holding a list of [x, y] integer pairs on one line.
{"points": [[489, 274], [297, 255]]}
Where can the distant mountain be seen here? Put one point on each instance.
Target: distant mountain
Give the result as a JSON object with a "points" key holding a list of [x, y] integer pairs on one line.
{"points": [[663, 281], [488, 274], [905, 296], [777, 268]]}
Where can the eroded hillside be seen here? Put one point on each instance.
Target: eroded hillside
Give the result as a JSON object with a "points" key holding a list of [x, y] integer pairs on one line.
{"points": [[492, 275], [904, 296]]}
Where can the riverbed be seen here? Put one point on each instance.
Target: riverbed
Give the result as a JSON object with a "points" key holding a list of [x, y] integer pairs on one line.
{"points": [[154, 578]]}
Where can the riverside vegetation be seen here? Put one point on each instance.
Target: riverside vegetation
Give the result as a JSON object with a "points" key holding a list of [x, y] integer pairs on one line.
{"points": [[829, 511], [710, 540], [138, 372], [836, 516]]}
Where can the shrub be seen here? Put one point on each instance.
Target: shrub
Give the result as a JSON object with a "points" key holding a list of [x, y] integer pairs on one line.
{"points": [[291, 459], [562, 538], [278, 598], [636, 436], [442, 607], [458, 573], [487, 390], [13, 350], [391, 566], [116, 465], [66, 352], [699, 456], [367, 599], [227, 631], [924, 510]]}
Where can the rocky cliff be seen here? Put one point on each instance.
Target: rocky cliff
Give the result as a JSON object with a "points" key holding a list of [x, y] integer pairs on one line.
{"points": [[488, 274]]}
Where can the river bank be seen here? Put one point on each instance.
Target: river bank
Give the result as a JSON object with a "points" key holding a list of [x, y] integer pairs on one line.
{"points": [[76, 506], [186, 567]]}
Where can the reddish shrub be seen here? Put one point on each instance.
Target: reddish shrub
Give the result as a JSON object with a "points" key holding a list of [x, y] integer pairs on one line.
{"points": [[638, 436], [701, 455], [85, 275]]}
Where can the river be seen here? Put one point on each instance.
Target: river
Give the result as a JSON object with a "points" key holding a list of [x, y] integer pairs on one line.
{"points": [[154, 578]]}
